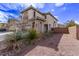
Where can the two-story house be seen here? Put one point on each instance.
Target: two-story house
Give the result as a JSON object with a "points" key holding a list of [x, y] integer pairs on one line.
{"points": [[41, 22]]}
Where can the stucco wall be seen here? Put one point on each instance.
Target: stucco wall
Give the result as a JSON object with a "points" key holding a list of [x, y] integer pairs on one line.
{"points": [[30, 13], [39, 15], [50, 20], [39, 27], [73, 32], [24, 15]]}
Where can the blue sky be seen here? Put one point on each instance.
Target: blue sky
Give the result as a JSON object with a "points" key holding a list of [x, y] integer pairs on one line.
{"points": [[62, 11]]}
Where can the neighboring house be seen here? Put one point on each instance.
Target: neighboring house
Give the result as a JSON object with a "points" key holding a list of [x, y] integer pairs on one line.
{"points": [[41, 22], [2, 25], [11, 25], [61, 26]]}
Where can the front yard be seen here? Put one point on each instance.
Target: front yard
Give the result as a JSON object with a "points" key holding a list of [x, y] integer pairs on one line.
{"points": [[45, 44]]}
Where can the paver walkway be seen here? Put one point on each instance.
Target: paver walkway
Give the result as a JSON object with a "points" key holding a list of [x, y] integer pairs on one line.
{"points": [[58, 44]]}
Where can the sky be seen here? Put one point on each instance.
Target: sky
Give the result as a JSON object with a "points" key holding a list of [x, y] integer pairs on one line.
{"points": [[62, 11]]}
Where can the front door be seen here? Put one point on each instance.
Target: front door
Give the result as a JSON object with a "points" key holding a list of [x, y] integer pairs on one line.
{"points": [[46, 27]]}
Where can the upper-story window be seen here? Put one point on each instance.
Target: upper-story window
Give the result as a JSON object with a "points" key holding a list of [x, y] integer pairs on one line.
{"points": [[34, 13], [45, 16], [33, 24], [54, 24], [25, 17], [54, 21]]}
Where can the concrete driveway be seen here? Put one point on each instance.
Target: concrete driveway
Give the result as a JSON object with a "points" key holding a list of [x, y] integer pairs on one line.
{"points": [[3, 34]]}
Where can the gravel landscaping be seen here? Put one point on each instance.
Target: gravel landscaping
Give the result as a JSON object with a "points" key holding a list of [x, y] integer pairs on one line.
{"points": [[55, 44]]}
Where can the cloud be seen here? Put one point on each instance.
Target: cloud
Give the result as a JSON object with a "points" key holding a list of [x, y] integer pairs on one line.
{"points": [[36, 5], [59, 4], [40, 5], [56, 17], [59, 22], [77, 22], [12, 6], [20, 6], [10, 9], [3, 16], [52, 10], [64, 8]]}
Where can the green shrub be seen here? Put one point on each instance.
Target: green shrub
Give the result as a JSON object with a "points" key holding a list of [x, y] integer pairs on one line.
{"points": [[24, 35], [13, 39], [31, 35], [18, 36]]}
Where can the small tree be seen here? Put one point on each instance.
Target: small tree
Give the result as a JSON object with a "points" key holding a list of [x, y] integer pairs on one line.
{"points": [[11, 20], [70, 23]]}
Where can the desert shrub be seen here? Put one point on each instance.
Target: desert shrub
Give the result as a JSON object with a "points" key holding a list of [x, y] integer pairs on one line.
{"points": [[32, 34], [18, 35], [24, 35], [14, 40], [10, 41]]}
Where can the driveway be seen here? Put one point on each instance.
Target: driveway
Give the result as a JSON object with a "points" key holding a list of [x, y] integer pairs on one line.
{"points": [[3, 34]]}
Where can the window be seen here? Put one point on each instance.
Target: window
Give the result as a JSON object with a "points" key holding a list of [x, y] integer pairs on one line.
{"points": [[54, 21], [33, 24], [49, 25], [45, 16], [54, 24], [34, 13], [25, 17], [40, 22]]}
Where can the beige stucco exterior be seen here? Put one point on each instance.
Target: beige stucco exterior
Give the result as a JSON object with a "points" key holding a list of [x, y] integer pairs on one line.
{"points": [[31, 16], [50, 21]]}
